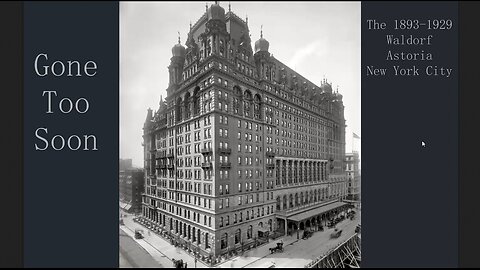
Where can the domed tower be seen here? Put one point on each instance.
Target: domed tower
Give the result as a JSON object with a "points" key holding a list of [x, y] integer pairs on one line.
{"points": [[215, 38], [262, 44], [262, 58], [175, 68], [216, 12]]}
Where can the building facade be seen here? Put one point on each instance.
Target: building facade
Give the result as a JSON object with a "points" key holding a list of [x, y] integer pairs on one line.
{"points": [[131, 188], [243, 147], [125, 164], [352, 161]]}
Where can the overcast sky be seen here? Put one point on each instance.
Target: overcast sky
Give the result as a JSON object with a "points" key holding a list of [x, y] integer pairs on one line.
{"points": [[316, 39]]}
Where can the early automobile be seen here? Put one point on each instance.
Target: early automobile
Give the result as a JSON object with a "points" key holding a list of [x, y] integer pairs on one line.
{"points": [[336, 233], [138, 234]]}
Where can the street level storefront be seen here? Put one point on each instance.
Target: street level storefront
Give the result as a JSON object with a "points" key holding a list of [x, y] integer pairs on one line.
{"points": [[310, 219]]}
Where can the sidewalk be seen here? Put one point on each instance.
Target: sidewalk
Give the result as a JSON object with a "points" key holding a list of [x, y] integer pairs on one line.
{"points": [[297, 252], [161, 250]]}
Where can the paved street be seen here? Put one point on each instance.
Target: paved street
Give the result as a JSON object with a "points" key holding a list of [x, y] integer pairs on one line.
{"points": [[297, 253], [123, 263], [302, 252], [133, 255]]}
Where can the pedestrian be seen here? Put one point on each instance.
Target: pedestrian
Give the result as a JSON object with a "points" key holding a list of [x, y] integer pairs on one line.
{"points": [[185, 265], [148, 233]]}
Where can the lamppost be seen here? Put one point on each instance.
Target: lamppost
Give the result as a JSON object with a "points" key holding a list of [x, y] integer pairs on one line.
{"points": [[195, 257], [231, 247]]}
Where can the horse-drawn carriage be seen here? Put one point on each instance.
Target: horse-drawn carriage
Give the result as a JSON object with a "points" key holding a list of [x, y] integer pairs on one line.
{"points": [[307, 234], [278, 248], [179, 263]]}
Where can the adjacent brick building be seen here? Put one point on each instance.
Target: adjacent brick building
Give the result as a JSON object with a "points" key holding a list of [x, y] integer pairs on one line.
{"points": [[353, 176], [131, 188]]}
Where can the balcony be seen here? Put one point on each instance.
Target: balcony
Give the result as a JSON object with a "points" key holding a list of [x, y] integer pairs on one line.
{"points": [[169, 155], [161, 166], [225, 151], [206, 150], [206, 165], [270, 165], [225, 164], [270, 154], [170, 166]]}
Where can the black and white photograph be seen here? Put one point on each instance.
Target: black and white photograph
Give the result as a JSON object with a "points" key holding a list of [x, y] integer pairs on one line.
{"points": [[240, 134]]}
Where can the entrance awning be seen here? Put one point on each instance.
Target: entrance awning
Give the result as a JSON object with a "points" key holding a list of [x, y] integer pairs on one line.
{"points": [[316, 211], [263, 230]]}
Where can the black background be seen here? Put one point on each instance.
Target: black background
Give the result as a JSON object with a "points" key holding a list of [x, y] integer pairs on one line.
{"points": [[469, 134], [410, 209], [71, 197], [11, 118], [409, 193]]}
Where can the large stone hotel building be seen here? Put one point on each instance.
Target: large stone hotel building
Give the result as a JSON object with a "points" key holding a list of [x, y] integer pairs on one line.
{"points": [[243, 147]]}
